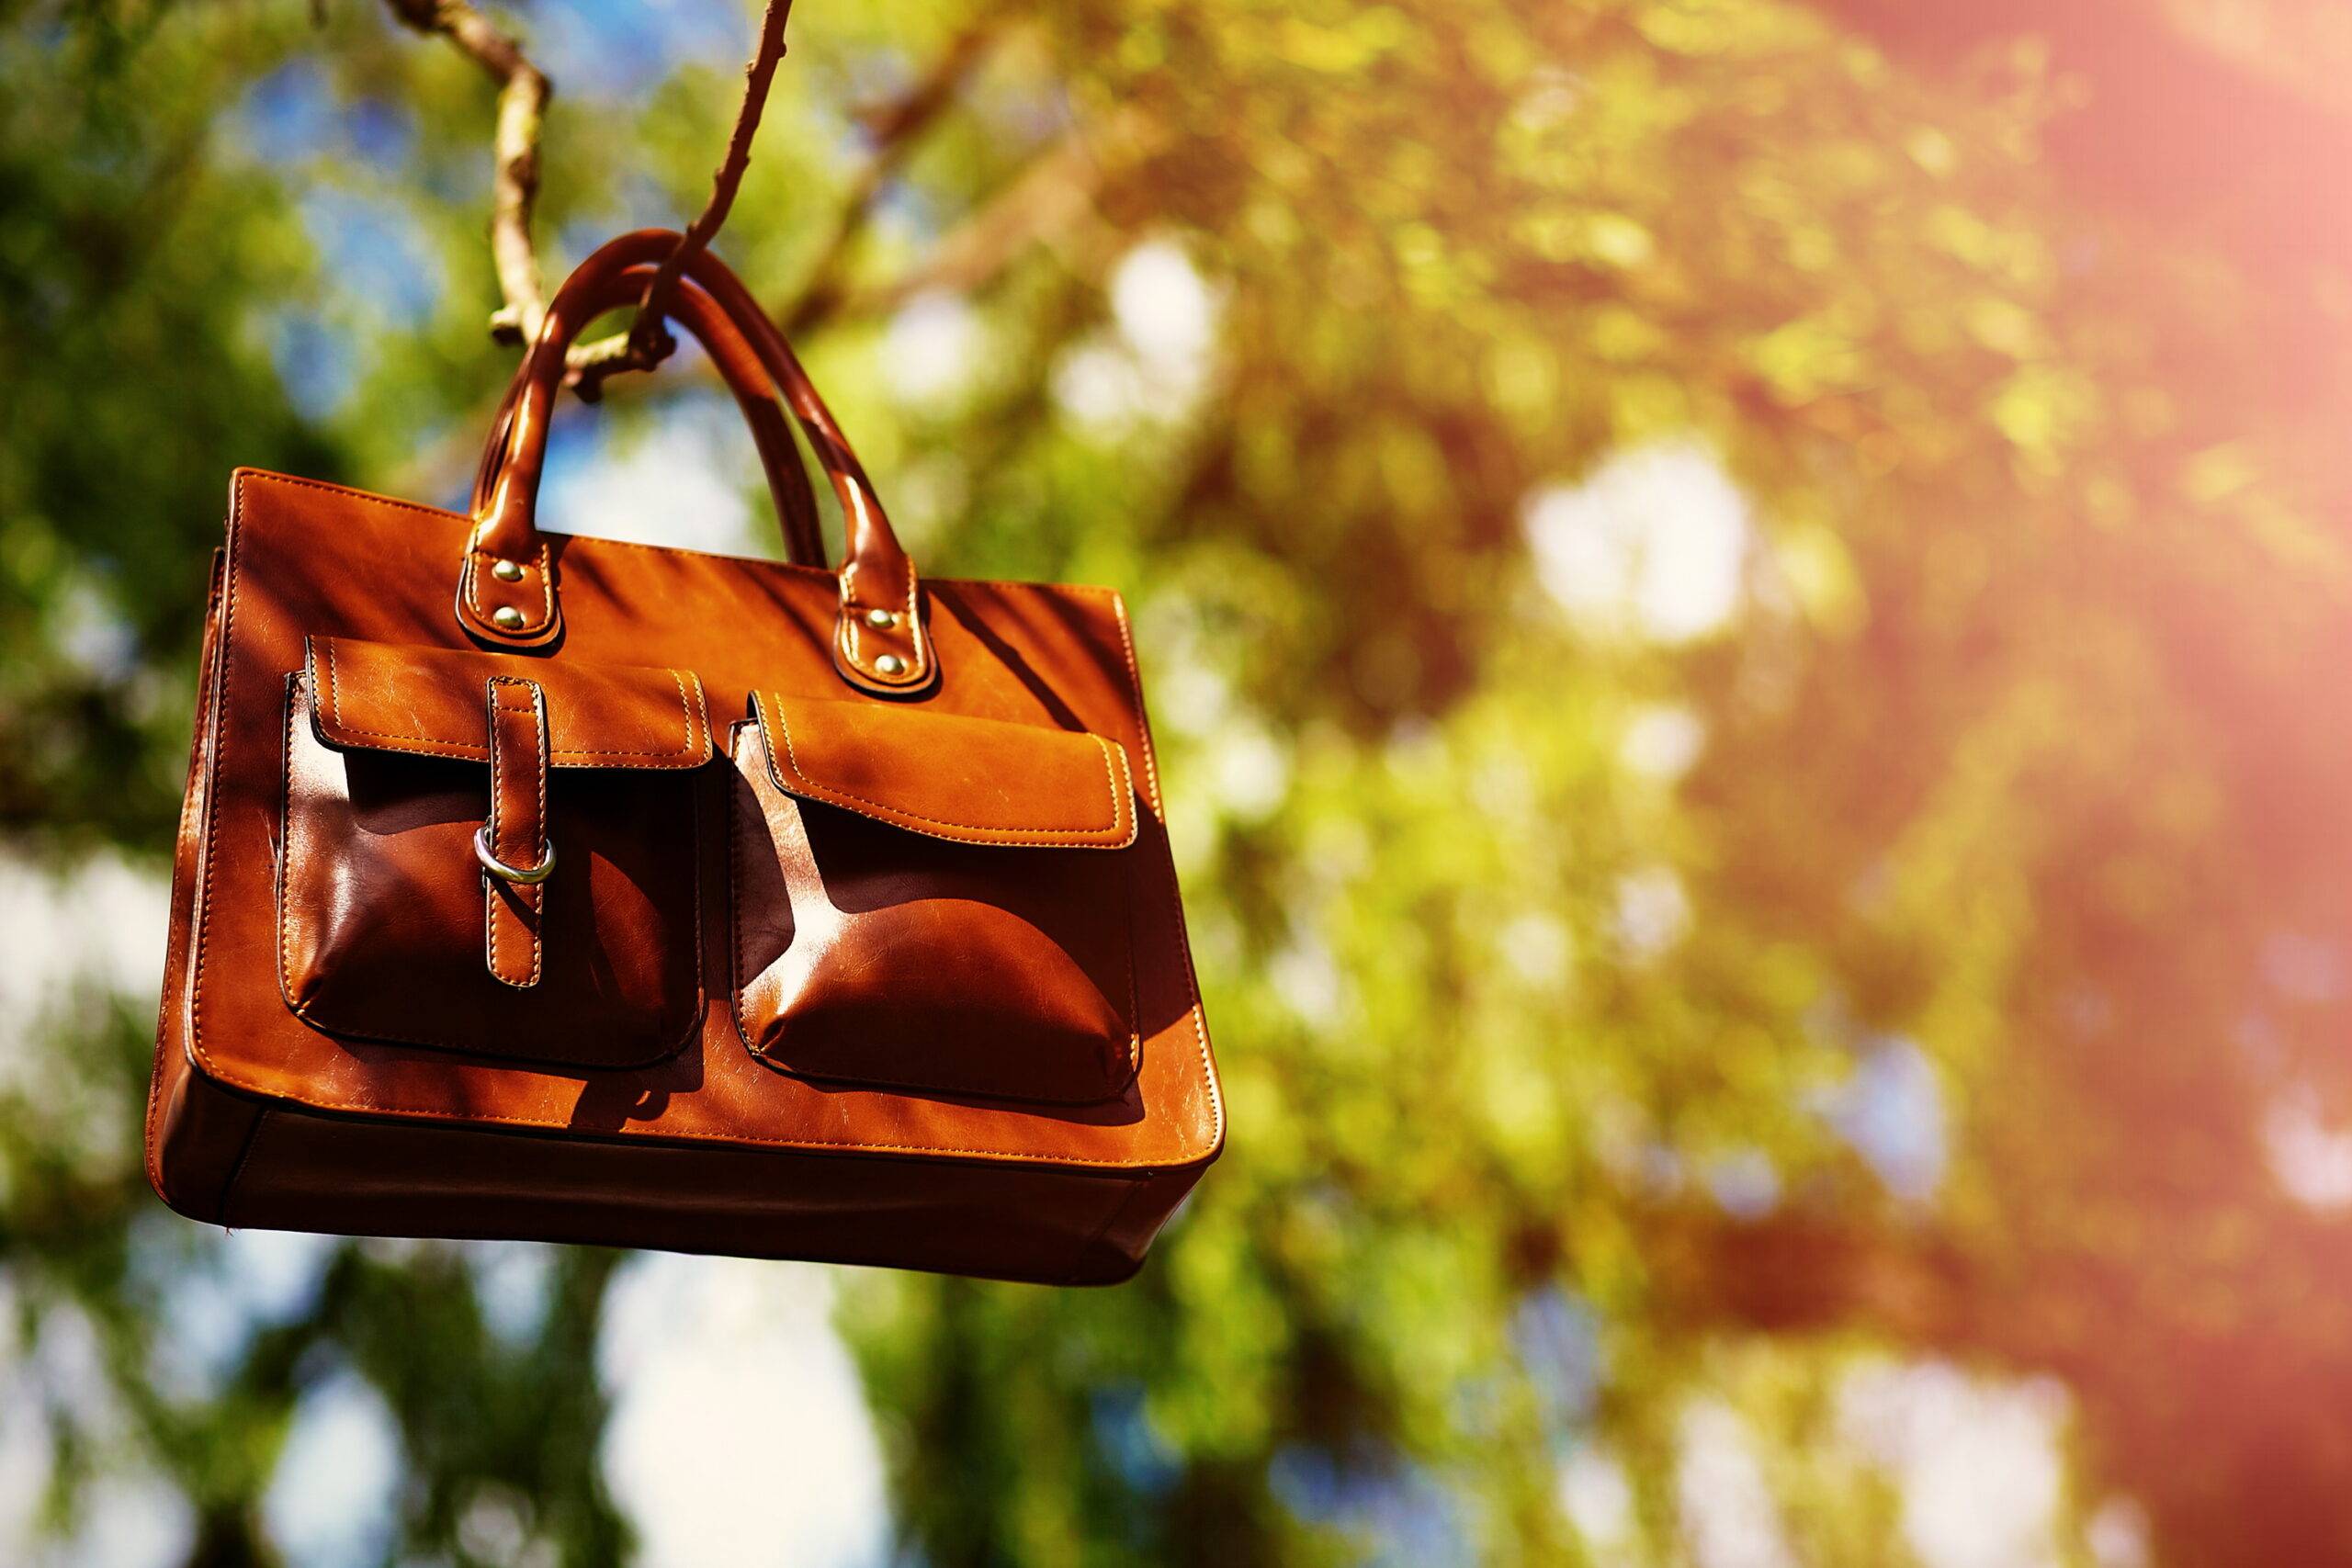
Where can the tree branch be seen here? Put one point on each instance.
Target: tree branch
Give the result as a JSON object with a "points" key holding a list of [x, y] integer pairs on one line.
{"points": [[1046, 203], [894, 129], [523, 91], [522, 104], [1053, 195], [645, 330], [647, 342], [1050, 197]]}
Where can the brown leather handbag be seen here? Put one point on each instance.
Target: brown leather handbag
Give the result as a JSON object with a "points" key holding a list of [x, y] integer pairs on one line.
{"points": [[538, 886]]}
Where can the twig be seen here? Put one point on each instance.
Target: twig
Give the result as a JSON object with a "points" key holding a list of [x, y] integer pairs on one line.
{"points": [[894, 127], [1050, 202], [522, 104], [758, 75], [1053, 194], [1051, 197], [647, 342]]}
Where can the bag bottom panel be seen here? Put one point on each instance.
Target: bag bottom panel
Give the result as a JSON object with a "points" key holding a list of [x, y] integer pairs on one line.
{"points": [[301, 1170]]}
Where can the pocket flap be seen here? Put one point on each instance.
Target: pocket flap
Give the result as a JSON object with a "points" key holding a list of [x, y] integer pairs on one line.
{"points": [[378, 696], [974, 780]]}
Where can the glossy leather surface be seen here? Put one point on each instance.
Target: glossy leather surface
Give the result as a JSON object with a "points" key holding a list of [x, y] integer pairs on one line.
{"points": [[866, 953], [515, 847], [388, 697], [260, 1116], [970, 780], [746, 376], [878, 639], [389, 928]]}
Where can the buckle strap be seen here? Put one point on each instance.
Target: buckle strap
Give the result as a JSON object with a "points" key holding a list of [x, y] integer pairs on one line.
{"points": [[515, 853]]}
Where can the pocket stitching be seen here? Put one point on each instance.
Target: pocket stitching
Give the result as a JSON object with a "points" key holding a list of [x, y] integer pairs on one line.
{"points": [[740, 986], [689, 702], [225, 1072], [303, 1011], [533, 896], [836, 794]]}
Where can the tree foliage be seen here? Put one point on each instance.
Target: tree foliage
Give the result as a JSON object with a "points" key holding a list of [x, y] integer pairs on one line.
{"points": [[1694, 587]]}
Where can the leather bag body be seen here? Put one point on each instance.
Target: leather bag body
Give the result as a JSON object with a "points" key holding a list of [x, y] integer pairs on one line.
{"points": [[531, 885]]}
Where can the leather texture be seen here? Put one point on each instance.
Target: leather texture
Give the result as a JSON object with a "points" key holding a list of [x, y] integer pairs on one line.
{"points": [[516, 848], [970, 780], [830, 960], [380, 697], [868, 953], [878, 640]]}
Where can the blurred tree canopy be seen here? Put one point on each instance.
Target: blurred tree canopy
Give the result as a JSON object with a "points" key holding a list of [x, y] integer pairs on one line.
{"points": [[1733, 594]]}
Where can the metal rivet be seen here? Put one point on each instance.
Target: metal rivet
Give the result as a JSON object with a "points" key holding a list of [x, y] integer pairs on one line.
{"points": [[890, 664], [881, 620], [506, 618], [507, 571]]}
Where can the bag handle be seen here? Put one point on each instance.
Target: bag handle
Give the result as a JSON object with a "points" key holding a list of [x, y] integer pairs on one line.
{"points": [[739, 365], [507, 589]]}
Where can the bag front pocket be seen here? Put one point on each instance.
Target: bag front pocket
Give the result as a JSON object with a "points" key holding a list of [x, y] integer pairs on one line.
{"points": [[931, 902], [492, 853]]}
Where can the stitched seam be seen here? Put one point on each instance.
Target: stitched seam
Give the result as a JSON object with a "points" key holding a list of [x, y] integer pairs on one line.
{"points": [[489, 885], [689, 707], [175, 957], [285, 847], [693, 711], [694, 788], [493, 903], [737, 982], [443, 1117], [474, 552], [308, 1015], [837, 795], [473, 577], [196, 1001], [1111, 773], [915, 633], [1134, 989], [1135, 683], [1109, 779], [220, 761], [914, 629], [935, 1082], [849, 625], [1123, 787], [1175, 898], [371, 498], [534, 897], [665, 1050], [464, 752]]}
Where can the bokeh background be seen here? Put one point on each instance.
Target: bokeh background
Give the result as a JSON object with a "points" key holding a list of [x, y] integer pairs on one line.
{"points": [[1745, 602]]}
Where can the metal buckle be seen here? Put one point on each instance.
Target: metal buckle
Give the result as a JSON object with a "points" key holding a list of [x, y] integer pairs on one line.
{"points": [[528, 877]]}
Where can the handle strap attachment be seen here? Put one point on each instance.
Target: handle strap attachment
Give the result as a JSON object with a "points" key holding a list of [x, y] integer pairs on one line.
{"points": [[507, 589], [746, 377]]}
